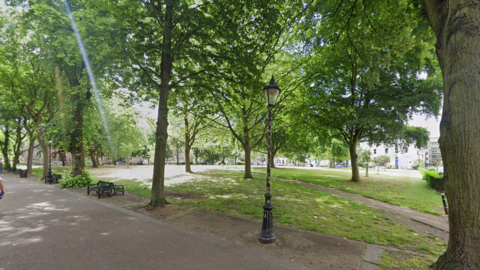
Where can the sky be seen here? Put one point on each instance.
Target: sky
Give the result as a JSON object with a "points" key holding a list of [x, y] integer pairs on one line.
{"points": [[431, 124]]}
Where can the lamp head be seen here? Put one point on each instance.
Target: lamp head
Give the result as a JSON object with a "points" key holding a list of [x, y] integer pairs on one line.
{"points": [[271, 91]]}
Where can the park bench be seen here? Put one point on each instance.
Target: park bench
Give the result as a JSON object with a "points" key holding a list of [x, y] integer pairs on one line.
{"points": [[53, 179], [105, 188]]}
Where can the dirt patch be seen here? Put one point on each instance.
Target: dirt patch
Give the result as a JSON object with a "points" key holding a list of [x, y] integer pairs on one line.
{"points": [[162, 213], [315, 251]]}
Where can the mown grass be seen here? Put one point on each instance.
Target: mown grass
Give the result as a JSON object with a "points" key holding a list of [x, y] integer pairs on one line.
{"points": [[403, 191], [302, 208], [402, 261]]}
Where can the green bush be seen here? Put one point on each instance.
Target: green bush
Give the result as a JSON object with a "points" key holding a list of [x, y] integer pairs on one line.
{"points": [[82, 180], [240, 163], [431, 169], [434, 180], [422, 171]]}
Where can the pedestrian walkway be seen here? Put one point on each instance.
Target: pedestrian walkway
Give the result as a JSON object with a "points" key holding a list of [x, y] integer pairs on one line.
{"points": [[44, 227], [439, 222]]}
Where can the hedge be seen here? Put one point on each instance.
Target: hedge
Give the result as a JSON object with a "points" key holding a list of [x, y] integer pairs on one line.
{"points": [[434, 180]]}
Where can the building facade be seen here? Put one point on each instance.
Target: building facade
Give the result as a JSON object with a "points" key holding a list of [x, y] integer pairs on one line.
{"points": [[434, 157]]}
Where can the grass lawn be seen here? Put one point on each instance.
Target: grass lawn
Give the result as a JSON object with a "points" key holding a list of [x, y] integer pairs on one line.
{"points": [[403, 191], [299, 207]]}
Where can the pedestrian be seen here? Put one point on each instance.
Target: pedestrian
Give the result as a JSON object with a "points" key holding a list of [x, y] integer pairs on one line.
{"points": [[2, 191], [1, 167]]}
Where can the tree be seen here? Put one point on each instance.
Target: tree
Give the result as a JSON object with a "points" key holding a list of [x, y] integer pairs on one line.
{"points": [[168, 43], [365, 157], [190, 119], [455, 23], [364, 81]]}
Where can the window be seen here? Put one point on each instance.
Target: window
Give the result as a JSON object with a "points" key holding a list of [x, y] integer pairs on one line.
{"points": [[386, 150], [374, 151], [396, 149]]}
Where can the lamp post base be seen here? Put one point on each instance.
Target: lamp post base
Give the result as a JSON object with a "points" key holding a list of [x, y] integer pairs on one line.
{"points": [[267, 236]]}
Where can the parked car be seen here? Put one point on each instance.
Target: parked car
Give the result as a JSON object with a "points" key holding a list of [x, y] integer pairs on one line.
{"points": [[121, 163], [56, 163], [338, 166], [106, 163]]}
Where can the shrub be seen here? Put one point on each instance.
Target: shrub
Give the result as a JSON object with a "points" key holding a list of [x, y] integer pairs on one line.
{"points": [[432, 169], [240, 163], [422, 171], [82, 180], [434, 180]]}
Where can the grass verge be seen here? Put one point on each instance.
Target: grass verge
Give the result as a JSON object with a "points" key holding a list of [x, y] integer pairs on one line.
{"points": [[402, 191], [403, 261]]}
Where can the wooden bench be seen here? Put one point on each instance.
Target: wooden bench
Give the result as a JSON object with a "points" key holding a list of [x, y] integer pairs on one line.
{"points": [[107, 188]]}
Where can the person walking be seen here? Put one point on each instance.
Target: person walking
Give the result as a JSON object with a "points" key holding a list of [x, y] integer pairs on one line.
{"points": [[2, 191], [1, 167]]}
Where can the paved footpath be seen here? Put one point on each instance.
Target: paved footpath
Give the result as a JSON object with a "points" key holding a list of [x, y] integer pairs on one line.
{"points": [[43, 227]]}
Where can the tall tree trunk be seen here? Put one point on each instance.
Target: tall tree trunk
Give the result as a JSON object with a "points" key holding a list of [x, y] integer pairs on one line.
{"points": [[187, 156], [77, 148], [178, 157], [31, 147], [46, 153], [366, 172], [161, 134], [354, 161], [456, 25], [19, 136], [187, 146], [158, 196], [6, 161], [248, 161]]}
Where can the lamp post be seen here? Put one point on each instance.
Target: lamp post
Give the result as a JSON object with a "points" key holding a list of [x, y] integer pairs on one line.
{"points": [[50, 142], [267, 235]]}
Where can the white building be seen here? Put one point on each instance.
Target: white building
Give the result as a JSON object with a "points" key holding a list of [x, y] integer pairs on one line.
{"points": [[398, 156]]}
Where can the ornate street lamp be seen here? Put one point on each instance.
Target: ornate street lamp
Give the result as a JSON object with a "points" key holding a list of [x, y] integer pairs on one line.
{"points": [[50, 142], [267, 235]]}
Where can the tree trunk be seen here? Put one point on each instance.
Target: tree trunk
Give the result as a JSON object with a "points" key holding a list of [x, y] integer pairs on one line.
{"points": [[456, 25], [248, 160], [31, 147], [158, 196], [63, 158], [46, 153], [6, 161], [354, 161], [366, 172], [77, 149], [161, 134], [93, 157], [272, 158], [187, 157]]}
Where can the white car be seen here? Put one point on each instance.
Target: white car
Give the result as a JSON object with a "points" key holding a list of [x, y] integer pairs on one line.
{"points": [[56, 163]]}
